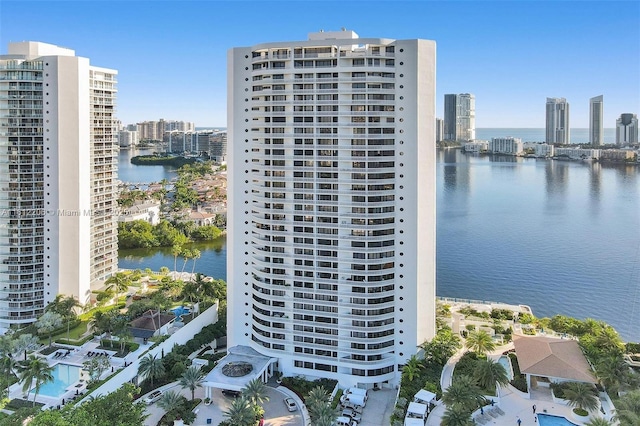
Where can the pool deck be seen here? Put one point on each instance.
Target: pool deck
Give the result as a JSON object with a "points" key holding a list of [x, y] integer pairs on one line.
{"points": [[515, 404], [73, 357]]}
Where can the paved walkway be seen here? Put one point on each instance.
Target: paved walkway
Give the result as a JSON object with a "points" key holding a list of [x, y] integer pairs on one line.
{"points": [[276, 414], [515, 404]]}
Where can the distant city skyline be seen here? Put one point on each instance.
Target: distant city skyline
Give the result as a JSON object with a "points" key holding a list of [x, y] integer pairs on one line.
{"points": [[172, 57]]}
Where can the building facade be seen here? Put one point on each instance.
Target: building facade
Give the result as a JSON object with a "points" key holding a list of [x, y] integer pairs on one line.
{"points": [[331, 209], [596, 118], [460, 117], [439, 130], [508, 145], [557, 121], [627, 129], [58, 156]]}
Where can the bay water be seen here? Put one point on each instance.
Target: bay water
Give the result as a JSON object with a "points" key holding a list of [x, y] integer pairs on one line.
{"points": [[559, 236]]}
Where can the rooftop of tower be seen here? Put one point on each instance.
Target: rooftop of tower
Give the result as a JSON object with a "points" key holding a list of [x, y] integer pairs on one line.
{"points": [[333, 35]]}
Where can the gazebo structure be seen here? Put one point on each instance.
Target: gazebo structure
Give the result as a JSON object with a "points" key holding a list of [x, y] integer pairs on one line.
{"points": [[241, 365], [151, 323], [553, 360], [424, 397], [416, 411]]}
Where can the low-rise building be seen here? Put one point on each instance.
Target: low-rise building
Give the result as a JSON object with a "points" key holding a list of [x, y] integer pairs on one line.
{"points": [[617, 155], [544, 150], [148, 211], [201, 218], [508, 145], [476, 146], [578, 153]]}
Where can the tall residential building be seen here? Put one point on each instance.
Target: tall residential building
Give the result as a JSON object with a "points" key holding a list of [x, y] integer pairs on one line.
{"points": [[596, 117], [557, 121], [58, 156], [627, 129], [460, 117], [331, 210], [439, 129]]}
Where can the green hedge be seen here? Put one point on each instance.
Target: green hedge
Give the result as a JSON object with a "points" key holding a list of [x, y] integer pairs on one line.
{"points": [[75, 342], [16, 404], [109, 345]]}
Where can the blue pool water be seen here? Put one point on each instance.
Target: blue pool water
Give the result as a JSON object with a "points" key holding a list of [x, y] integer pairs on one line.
{"points": [[64, 375], [504, 361], [548, 420], [181, 310]]}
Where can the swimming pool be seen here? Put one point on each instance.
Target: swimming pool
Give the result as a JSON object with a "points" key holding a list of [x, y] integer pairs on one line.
{"points": [[180, 310], [506, 363], [549, 420], [64, 375]]}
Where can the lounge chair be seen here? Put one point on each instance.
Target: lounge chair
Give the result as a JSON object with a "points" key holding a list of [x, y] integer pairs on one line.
{"points": [[480, 419], [499, 411], [492, 413], [89, 354], [56, 355]]}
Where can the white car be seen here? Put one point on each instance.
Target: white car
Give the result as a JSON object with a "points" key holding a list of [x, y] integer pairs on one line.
{"points": [[352, 414], [153, 397], [291, 404]]}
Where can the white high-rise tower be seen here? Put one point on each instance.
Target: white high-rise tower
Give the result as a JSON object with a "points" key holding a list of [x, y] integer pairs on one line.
{"points": [[331, 232], [596, 117], [557, 121], [58, 153]]}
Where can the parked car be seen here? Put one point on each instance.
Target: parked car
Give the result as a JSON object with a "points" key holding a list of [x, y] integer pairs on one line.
{"points": [[231, 393], [153, 397], [345, 421], [352, 414], [291, 404]]}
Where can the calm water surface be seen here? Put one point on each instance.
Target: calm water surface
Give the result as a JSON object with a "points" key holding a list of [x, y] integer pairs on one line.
{"points": [[562, 237]]}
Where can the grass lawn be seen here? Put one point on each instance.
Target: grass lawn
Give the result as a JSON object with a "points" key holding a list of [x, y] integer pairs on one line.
{"points": [[74, 333], [88, 315]]}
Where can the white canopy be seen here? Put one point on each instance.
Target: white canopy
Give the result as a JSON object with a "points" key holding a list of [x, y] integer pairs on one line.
{"points": [[417, 410], [424, 396]]}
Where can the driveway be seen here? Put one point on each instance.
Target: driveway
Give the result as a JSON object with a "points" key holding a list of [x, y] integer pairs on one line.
{"points": [[276, 414]]}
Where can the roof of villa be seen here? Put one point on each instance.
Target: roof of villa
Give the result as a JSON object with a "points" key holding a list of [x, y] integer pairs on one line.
{"points": [[551, 357], [149, 320]]}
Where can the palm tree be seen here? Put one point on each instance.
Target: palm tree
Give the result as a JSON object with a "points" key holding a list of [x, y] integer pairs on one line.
{"points": [[24, 343], [176, 249], [316, 401], [195, 255], [151, 368], [464, 392], [599, 421], [192, 378], [608, 340], [628, 409], [456, 415], [412, 367], [240, 413], [65, 307], [186, 255], [488, 373], [34, 368], [613, 372], [119, 283], [581, 395], [480, 342], [324, 416], [255, 391], [170, 401]]}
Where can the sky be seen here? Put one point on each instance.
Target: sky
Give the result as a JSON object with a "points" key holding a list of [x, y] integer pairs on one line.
{"points": [[512, 55]]}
